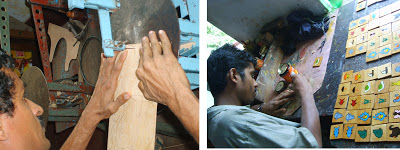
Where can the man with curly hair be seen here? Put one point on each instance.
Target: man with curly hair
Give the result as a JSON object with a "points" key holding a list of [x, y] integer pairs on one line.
{"points": [[230, 76]]}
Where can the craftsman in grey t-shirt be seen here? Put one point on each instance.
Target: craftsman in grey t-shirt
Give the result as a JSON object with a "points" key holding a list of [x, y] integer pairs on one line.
{"points": [[240, 126]]}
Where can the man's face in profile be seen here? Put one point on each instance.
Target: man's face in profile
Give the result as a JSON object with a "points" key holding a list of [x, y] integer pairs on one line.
{"points": [[22, 130], [247, 86]]}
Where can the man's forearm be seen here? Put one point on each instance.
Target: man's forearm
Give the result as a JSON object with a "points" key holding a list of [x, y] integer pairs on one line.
{"points": [[310, 117], [83, 131], [186, 109]]}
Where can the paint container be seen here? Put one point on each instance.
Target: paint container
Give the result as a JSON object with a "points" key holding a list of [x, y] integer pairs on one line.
{"points": [[280, 86], [286, 71], [260, 63]]}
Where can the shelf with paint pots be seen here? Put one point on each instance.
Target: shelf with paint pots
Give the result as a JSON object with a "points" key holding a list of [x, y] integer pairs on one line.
{"points": [[367, 108]]}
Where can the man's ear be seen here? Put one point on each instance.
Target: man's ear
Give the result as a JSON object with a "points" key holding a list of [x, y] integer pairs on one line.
{"points": [[233, 75], [3, 133]]}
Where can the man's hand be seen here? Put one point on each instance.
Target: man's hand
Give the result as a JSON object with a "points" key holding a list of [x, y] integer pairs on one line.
{"points": [[102, 104], [160, 74], [272, 107], [301, 86]]}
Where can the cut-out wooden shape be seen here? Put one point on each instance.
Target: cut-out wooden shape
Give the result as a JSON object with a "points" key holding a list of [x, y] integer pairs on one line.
{"points": [[373, 24], [338, 115], [367, 101], [361, 6], [363, 134], [384, 70], [395, 69], [393, 132], [372, 34], [349, 131], [317, 62], [386, 29], [394, 114], [371, 55], [378, 133], [396, 26], [382, 101], [344, 89], [347, 76], [385, 11], [361, 38], [350, 116], [395, 47], [358, 77], [394, 84], [373, 15], [352, 33], [355, 89], [394, 98], [385, 51], [385, 39], [354, 103], [382, 86], [353, 24], [368, 87], [350, 52], [373, 43], [364, 116], [370, 74], [336, 132], [380, 116], [361, 48], [341, 101], [351, 42]]}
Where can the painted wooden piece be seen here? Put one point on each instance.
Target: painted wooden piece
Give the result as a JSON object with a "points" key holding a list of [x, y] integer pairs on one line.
{"points": [[396, 26], [395, 16], [370, 74], [361, 6], [344, 88], [338, 115], [382, 100], [394, 98], [362, 29], [385, 51], [358, 77], [355, 89], [385, 39], [378, 133], [347, 76], [367, 101], [382, 86], [385, 29], [352, 33], [350, 116], [368, 87], [349, 131], [394, 114], [380, 116], [354, 103], [394, 84], [395, 6], [353, 24], [336, 132], [384, 70], [341, 101], [393, 132], [373, 43], [351, 42], [395, 69], [359, 1], [373, 15], [361, 48], [351, 51], [396, 47], [364, 116], [317, 62], [373, 24], [361, 38], [385, 11], [363, 134], [371, 55]]}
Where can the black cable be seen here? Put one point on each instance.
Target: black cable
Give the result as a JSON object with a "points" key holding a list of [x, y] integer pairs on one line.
{"points": [[80, 57]]}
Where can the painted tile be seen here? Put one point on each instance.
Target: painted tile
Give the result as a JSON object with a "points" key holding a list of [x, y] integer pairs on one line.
{"points": [[385, 51], [385, 39], [395, 16], [384, 70], [395, 6], [393, 132], [363, 134], [382, 101], [368, 87], [372, 24], [353, 24], [354, 103], [378, 133], [317, 61], [385, 29], [385, 11], [370, 74], [367, 101], [344, 89], [358, 77], [336, 132], [394, 98], [355, 89], [361, 48], [352, 33], [394, 114], [385, 20], [351, 51], [373, 15], [350, 116], [361, 6], [361, 38], [395, 69], [382, 86], [349, 131], [364, 116], [396, 47], [394, 84], [351, 42], [338, 115], [396, 26], [396, 36], [380, 116], [372, 55], [372, 34], [347, 76]]}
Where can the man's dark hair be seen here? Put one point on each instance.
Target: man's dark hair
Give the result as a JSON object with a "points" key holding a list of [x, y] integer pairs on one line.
{"points": [[6, 85], [221, 61]]}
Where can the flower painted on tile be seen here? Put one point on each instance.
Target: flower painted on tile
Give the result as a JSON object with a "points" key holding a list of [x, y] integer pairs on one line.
{"points": [[380, 116]]}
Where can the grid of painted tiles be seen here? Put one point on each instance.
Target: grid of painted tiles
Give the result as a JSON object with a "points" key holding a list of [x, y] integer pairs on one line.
{"points": [[377, 34], [367, 108]]}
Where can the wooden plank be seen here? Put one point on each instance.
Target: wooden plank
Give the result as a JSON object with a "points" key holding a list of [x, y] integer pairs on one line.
{"points": [[22, 34], [134, 125]]}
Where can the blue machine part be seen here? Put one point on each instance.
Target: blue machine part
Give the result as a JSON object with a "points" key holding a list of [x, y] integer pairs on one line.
{"points": [[349, 131]]}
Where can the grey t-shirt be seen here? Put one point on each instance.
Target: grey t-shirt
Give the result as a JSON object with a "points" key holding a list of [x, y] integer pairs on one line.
{"points": [[240, 126]]}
